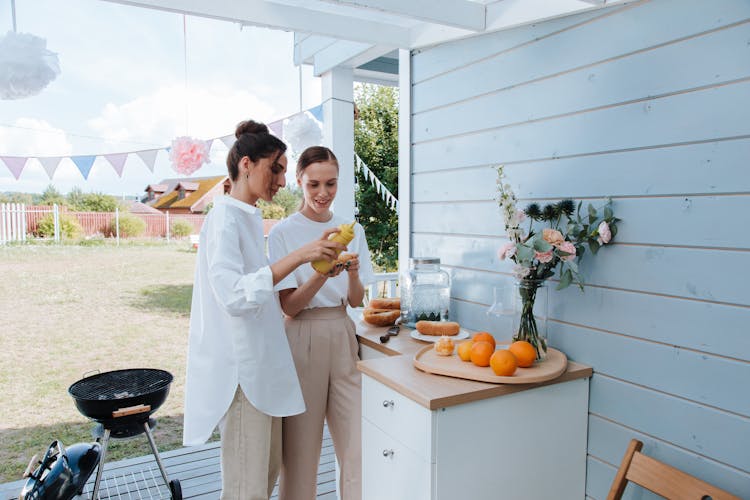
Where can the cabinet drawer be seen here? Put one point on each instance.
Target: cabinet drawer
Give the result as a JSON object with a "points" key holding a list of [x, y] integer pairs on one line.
{"points": [[398, 416], [390, 470]]}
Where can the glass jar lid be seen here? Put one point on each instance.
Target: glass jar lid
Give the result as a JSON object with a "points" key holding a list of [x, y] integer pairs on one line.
{"points": [[424, 260]]}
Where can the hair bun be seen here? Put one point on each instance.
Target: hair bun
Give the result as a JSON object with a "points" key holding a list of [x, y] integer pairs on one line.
{"points": [[250, 127]]}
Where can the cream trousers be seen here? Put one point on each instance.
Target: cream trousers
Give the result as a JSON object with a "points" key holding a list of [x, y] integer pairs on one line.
{"points": [[250, 451], [325, 350]]}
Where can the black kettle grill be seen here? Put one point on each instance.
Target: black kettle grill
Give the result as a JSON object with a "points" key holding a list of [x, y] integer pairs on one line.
{"points": [[62, 473], [122, 402]]}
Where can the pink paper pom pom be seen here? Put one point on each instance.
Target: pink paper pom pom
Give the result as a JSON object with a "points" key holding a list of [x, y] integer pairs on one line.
{"points": [[188, 154]]}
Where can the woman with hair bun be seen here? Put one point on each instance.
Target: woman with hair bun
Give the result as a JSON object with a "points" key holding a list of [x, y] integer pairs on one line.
{"points": [[321, 335], [240, 372]]}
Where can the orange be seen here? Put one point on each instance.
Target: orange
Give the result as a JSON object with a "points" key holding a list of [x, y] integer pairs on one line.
{"points": [[464, 350], [503, 363], [484, 336], [481, 352], [524, 352]]}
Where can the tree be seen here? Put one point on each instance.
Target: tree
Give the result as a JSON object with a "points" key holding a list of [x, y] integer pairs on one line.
{"points": [[376, 142], [289, 198], [51, 196], [91, 202], [12, 197]]}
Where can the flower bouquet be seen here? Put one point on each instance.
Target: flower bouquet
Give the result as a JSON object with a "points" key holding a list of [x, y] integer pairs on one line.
{"points": [[560, 245]]}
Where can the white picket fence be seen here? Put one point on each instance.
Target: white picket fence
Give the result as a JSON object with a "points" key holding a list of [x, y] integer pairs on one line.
{"points": [[12, 222]]}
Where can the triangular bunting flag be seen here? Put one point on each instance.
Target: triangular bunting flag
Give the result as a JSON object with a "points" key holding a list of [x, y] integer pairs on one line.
{"points": [[15, 164], [84, 164], [50, 164], [317, 112], [228, 140], [209, 143], [276, 128], [148, 157], [117, 160]]}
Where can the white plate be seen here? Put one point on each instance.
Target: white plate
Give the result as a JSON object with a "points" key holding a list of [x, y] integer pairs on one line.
{"points": [[462, 334]]}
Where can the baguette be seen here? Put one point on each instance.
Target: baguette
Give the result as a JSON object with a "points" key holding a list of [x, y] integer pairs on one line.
{"points": [[438, 328]]}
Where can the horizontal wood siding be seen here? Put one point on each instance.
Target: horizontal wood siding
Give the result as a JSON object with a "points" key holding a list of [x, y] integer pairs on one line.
{"points": [[647, 103]]}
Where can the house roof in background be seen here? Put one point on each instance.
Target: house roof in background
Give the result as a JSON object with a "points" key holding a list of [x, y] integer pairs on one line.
{"points": [[202, 186], [136, 207]]}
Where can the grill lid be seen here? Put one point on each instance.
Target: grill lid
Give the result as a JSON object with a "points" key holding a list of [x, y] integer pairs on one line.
{"points": [[120, 384]]}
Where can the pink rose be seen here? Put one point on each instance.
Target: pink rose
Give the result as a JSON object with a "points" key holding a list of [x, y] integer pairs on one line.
{"points": [[570, 248], [508, 250], [544, 257], [553, 237], [605, 235]]}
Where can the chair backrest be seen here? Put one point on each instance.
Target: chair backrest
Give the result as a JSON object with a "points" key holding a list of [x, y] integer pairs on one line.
{"points": [[661, 478]]}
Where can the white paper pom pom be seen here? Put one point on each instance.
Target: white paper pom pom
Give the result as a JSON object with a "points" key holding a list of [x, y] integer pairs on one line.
{"points": [[301, 131], [26, 66]]}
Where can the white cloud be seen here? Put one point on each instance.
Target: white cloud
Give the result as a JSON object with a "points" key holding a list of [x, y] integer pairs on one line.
{"points": [[162, 115], [33, 137]]}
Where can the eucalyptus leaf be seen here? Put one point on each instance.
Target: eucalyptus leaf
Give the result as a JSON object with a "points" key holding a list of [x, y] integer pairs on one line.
{"points": [[594, 246], [608, 213], [572, 264], [565, 280], [540, 245]]}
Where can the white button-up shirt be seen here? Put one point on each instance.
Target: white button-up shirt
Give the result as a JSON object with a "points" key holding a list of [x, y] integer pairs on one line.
{"points": [[236, 326]]}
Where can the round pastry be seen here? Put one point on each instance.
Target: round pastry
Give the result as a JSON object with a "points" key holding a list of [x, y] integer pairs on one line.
{"points": [[438, 327], [394, 303], [380, 317], [444, 346]]}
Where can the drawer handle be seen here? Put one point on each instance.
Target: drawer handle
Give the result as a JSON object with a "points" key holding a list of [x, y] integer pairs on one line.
{"points": [[388, 403], [388, 453]]}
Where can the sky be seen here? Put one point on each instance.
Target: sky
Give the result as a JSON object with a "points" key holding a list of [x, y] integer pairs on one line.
{"points": [[128, 84]]}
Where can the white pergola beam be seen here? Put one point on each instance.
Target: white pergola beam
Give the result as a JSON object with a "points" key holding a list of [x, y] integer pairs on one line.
{"points": [[306, 48], [510, 13], [346, 55], [284, 17], [457, 13]]}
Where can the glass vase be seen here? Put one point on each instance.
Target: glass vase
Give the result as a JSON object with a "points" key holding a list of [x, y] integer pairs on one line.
{"points": [[501, 313], [531, 312]]}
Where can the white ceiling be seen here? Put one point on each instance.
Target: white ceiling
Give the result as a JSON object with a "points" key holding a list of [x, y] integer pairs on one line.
{"points": [[331, 33]]}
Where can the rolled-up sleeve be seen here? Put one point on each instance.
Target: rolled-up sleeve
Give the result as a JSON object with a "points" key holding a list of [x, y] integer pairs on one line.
{"points": [[237, 291]]}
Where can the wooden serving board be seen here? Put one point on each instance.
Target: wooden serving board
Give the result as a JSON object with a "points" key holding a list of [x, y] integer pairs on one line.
{"points": [[551, 367]]}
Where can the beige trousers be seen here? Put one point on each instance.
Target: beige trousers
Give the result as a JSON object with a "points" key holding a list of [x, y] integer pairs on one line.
{"points": [[250, 451], [325, 350]]}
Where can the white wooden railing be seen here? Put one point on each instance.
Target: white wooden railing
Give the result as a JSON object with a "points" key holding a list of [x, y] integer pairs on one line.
{"points": [[385, 285]]}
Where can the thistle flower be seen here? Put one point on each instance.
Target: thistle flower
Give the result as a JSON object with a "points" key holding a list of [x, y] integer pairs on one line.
{"points": [[533, 211], [549, 213], [566, 207]]}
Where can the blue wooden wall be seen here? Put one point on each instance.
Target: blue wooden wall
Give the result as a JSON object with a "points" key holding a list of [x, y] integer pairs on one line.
{"points": [[648, 103]]}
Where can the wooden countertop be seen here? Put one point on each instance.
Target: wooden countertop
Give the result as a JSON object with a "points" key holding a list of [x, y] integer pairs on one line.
{"points": [[434, 391]]}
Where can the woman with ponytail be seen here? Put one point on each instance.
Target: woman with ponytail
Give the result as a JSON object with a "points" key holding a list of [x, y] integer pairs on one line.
{"points": [[240, 372]]}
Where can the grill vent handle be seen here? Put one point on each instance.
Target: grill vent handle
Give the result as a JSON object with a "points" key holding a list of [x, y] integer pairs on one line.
{"points": [[131, 410], [32, 465], [90, 373]]}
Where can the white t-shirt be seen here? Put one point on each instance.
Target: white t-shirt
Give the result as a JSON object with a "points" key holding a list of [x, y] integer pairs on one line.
{"points": [[296, 231]]}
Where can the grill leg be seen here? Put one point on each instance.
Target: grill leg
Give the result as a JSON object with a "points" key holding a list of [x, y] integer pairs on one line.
{"points": [[156, 453], [105, 442]]}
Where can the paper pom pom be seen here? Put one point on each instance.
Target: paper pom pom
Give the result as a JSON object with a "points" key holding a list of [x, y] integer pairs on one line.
{"points": [[26, 66], [188, 154], [301, 131]]}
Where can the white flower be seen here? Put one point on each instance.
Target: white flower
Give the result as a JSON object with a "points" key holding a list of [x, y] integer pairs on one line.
{"points": [[520, 271]]}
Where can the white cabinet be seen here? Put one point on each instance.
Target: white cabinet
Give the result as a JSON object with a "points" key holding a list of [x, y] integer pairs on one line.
{"points": [[526, 445]]}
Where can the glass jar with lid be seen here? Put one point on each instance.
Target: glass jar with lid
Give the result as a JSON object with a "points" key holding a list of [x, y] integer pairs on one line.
{"points": [[425, 292]]}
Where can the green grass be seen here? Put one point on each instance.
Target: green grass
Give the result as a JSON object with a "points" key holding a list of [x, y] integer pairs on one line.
{"points": [[70, 309]]}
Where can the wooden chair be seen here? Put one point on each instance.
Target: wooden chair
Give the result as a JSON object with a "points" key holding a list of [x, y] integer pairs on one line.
{"points": [[661, 478]]}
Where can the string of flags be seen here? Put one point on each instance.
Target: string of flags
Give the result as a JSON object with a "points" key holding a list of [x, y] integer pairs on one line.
{"points": [[385, 194], [286, 128]]}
